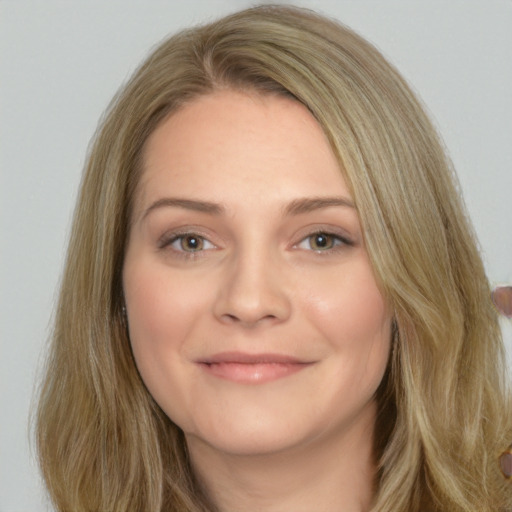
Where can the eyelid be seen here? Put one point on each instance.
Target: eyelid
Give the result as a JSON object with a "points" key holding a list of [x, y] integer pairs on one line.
{"points": [[167, 239], [179, 238], [342, 239]]}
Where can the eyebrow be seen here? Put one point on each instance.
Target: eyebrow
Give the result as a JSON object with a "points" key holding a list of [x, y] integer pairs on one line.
{"points": [[306, 205], [187, 204], [295, 207]]}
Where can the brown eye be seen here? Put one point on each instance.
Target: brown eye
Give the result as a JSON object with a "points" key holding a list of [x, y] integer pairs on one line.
{"points": [[187, 243], [322, 241], [191, 243]]}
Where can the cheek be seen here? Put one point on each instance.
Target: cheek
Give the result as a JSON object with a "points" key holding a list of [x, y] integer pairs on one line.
{"points": [[162, 311], [351, 313]]}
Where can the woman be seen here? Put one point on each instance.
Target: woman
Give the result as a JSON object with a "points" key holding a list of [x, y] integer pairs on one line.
{"points": [[272, 299]]}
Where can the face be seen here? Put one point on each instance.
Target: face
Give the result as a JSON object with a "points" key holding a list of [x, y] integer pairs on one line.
{"points": [[255, 319]]}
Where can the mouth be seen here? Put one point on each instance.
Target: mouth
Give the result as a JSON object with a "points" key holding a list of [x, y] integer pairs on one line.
{"points": [[245, 368]]}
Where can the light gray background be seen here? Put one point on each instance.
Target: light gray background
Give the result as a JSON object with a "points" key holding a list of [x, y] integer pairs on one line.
{"points": [[61, 61]]}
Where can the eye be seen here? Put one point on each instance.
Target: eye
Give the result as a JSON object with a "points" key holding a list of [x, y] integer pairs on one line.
{"points": [[189, 242], [322, 241]]}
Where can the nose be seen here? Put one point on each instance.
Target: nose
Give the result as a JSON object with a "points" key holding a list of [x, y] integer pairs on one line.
{"points": [[252, 292]]}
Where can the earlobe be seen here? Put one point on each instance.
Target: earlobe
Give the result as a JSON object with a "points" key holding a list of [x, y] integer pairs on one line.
{"points": [[506, 463], [502, 299]]}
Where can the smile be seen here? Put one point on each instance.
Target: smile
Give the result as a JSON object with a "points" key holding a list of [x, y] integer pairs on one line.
{"points": [[252, 368]]}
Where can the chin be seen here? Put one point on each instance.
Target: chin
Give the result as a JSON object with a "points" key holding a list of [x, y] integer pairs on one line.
{"points": [[258, 431], [249, 440]]}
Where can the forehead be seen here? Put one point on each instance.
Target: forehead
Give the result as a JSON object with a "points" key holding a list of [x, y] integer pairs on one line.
{"points": [[229, 143]]}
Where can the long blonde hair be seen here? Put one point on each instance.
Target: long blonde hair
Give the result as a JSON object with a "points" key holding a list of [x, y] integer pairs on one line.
{"points": [[444, 415]]}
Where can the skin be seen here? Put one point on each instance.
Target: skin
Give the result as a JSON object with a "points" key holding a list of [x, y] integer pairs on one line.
{"points": [[243, 270]]}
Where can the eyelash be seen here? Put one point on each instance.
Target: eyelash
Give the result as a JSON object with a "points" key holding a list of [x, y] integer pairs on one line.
{"points": [[167, 242], [339, 242]]}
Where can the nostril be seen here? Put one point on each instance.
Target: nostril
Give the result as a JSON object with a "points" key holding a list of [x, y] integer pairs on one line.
{"points": [[247, 319], [251, 297]]}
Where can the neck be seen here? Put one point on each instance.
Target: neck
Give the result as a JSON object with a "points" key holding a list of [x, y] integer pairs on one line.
{"points": [[326, 475]]}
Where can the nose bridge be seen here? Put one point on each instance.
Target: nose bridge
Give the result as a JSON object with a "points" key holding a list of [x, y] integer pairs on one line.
{"points": [[254, 286]]}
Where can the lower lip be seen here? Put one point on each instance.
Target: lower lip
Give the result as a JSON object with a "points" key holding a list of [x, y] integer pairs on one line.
{"points": [[253, 373]]}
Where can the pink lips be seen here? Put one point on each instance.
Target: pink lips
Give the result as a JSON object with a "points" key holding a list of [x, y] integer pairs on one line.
{"points": [[252, 368]]}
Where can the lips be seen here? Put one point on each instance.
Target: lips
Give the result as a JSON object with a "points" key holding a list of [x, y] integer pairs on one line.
{"points": [[246, 368]]}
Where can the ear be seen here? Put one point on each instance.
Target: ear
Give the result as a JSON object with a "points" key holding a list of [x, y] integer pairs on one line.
{"points": [[502, 299], [506, 463]]}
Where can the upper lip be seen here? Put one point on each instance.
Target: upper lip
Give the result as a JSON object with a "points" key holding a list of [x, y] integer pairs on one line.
{"points": [[245, 358]]}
